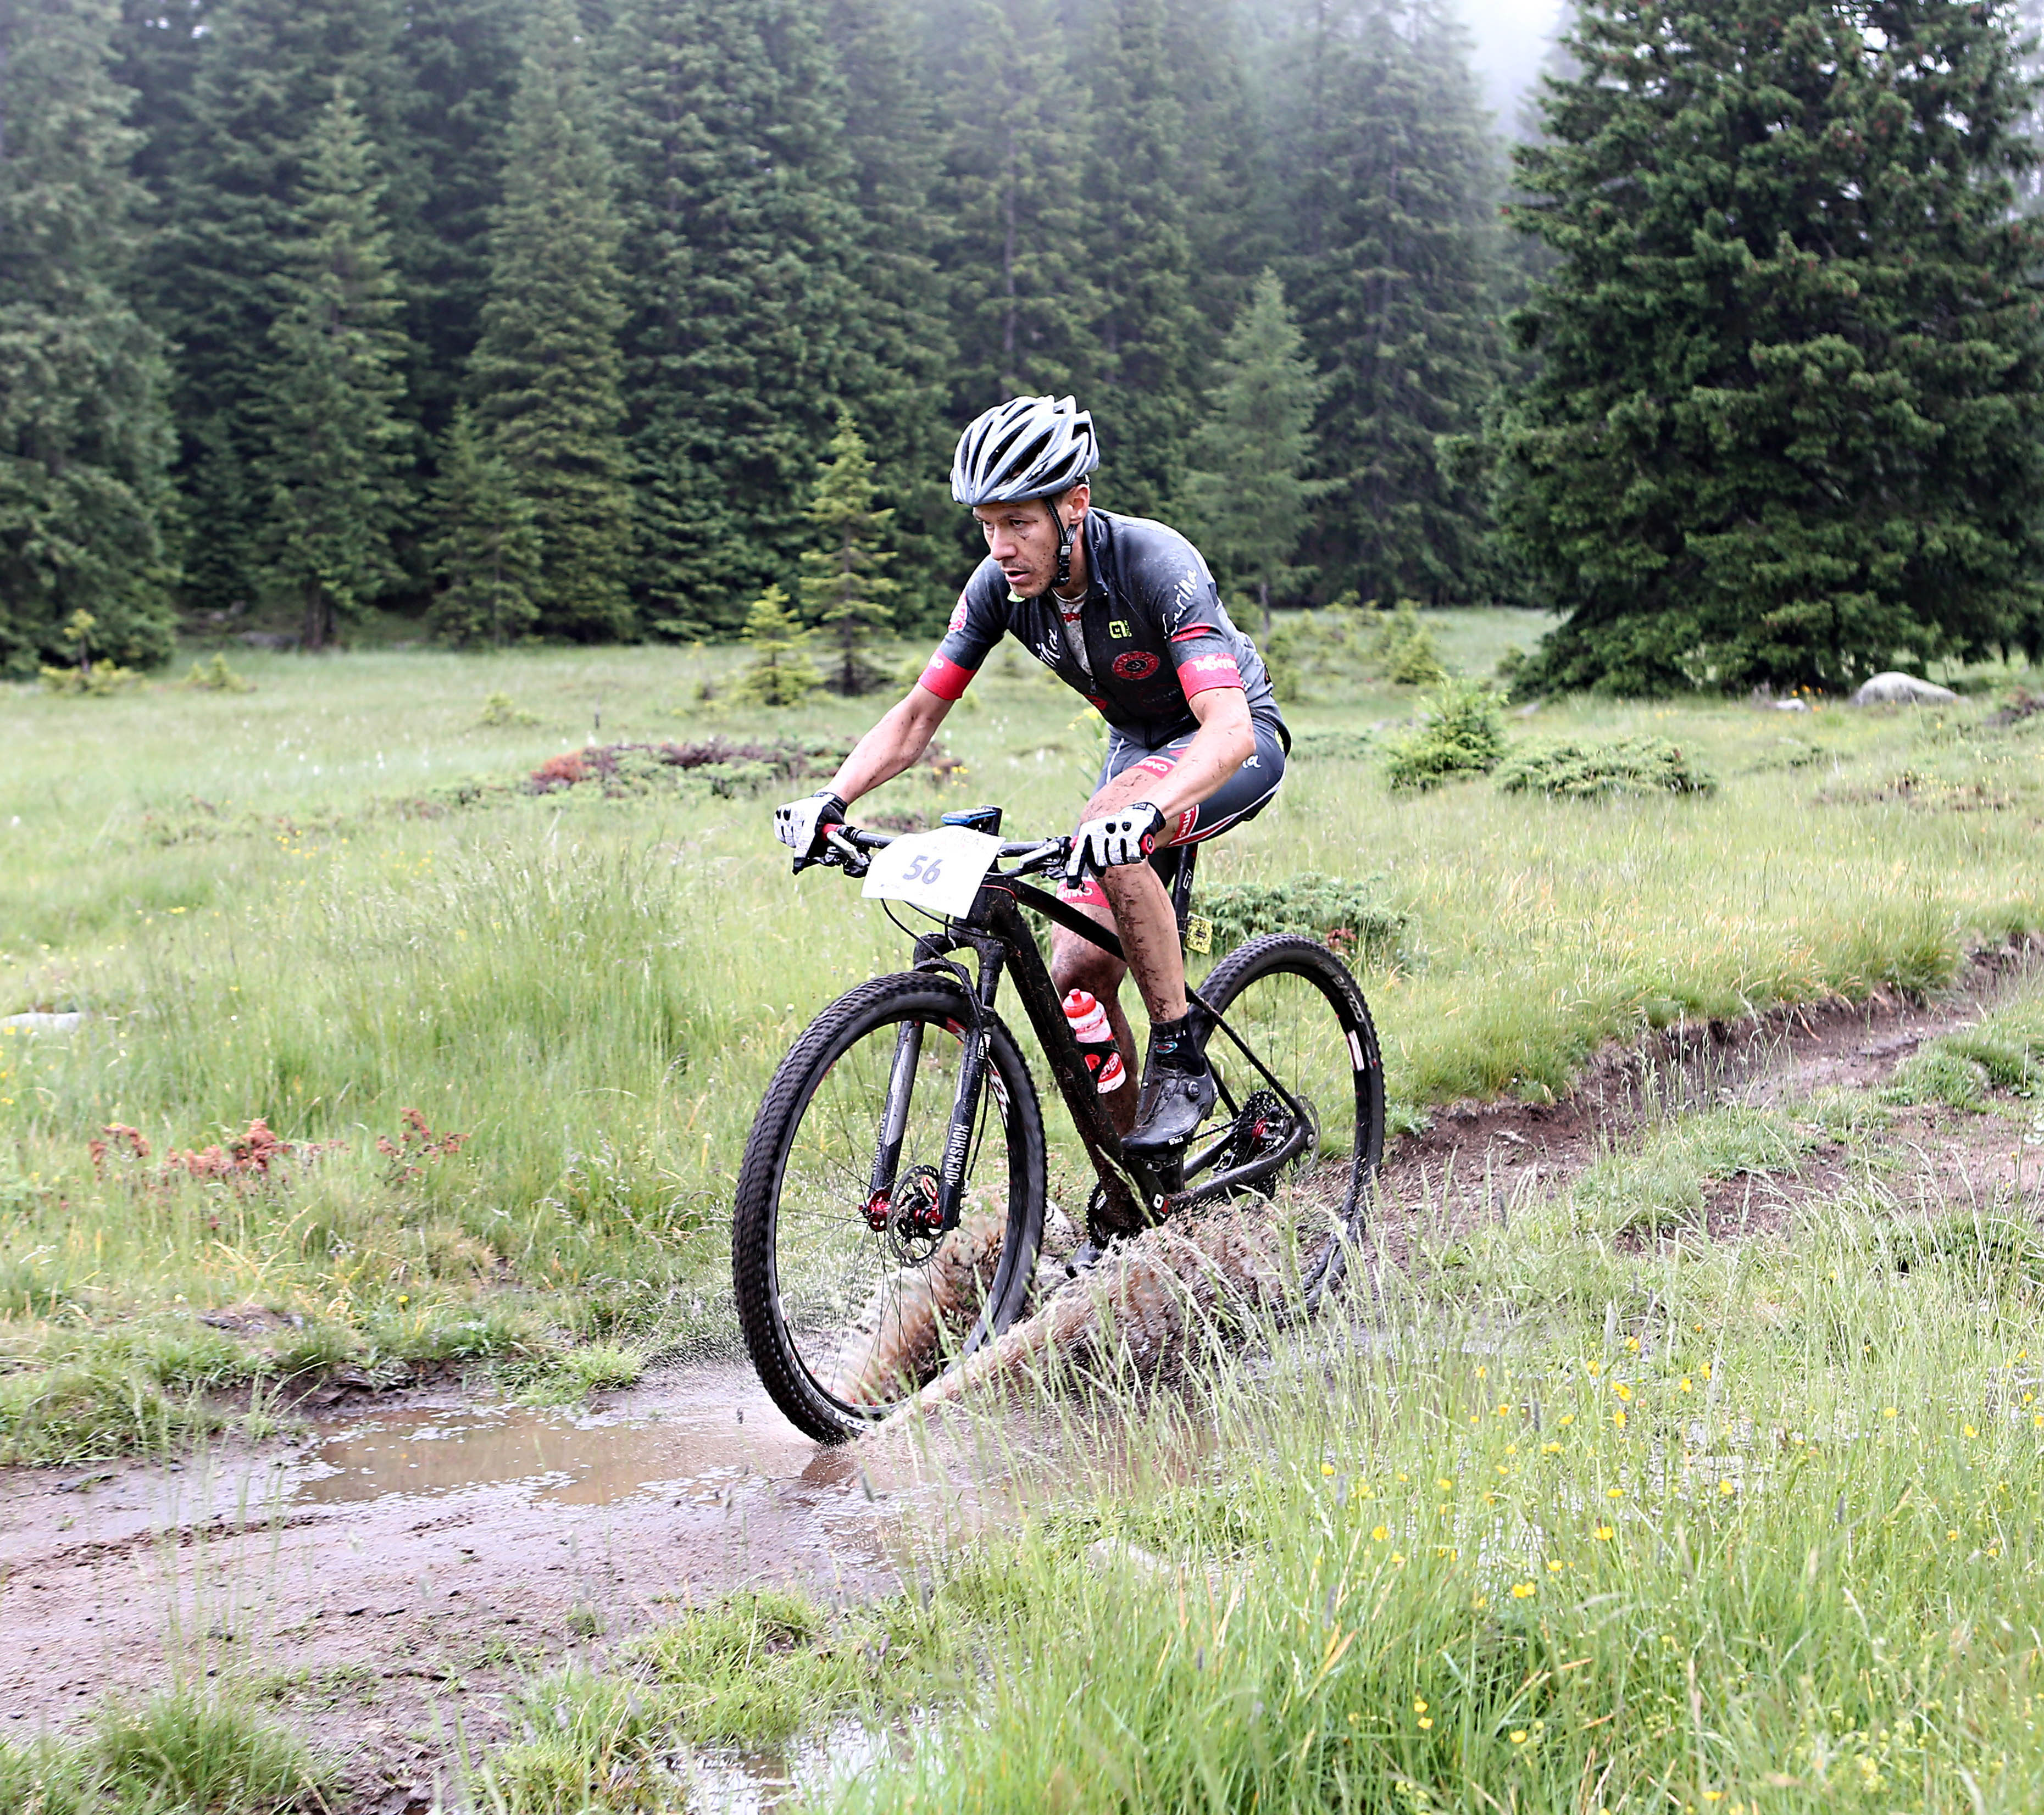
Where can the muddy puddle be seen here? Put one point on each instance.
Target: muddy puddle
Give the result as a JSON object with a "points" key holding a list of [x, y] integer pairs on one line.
{"points": [[551, 1456]]}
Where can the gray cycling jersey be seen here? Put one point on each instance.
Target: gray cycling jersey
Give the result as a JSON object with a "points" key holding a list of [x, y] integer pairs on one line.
{"points": [[1154, 632]]}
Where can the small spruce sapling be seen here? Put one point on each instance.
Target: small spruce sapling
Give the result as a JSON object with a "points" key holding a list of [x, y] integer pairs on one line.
{"points": [[485, 550], [843, 585], [780, 673]]}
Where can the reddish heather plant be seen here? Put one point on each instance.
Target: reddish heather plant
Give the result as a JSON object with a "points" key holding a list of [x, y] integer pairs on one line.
{"points": [[418, 1144], [256, 1157], [122, 1134], [564, 770]]}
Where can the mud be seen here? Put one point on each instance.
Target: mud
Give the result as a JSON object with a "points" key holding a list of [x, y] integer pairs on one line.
{"points": [[385, 1581], [1479, 1162]]}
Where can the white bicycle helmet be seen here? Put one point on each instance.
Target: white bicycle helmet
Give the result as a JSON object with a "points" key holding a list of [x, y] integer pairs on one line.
{"points": [[1026, 447]]}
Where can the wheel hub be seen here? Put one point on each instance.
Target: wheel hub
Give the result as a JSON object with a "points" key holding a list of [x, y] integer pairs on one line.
{"points": [[911, 1221], [1263, 1126]]}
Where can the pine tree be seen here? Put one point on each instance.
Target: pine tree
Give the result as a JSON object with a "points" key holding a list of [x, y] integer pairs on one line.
{"points": [[484, 550], [1138, 256], [1247, 495], [461, 60], [264, 73], [335, 443], [844, 588], [780, 673], [85, 438], [1391, 284], [744, 335], [891, 137], [547, 371], [1786, 424], [1023, 306]]}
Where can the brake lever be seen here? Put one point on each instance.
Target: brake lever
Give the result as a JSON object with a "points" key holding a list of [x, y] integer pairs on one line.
{"points": [[845, 855]]}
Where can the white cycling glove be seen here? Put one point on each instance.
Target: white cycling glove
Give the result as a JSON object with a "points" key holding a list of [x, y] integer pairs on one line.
{"points": [[1127, 835], [800, 825]]}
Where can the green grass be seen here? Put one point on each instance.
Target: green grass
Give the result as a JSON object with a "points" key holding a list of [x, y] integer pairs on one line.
{"points": [[1748, 1528], [180, 1753], [246, 895]]}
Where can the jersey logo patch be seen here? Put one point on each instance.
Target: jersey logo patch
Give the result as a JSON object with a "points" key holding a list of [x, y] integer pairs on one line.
{"points": [[1137, 665], [1119, 629]]}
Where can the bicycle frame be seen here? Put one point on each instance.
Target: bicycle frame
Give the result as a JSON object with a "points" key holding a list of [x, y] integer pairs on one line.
{"points": [[1001, 938]]}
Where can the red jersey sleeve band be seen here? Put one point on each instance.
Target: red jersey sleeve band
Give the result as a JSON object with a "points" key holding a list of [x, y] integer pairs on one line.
{"points": [[945, 679], [1204, 673]]}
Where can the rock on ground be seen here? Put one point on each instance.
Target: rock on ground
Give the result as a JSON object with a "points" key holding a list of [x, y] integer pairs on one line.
{"points": [[1898, 689], [34, 1023]]}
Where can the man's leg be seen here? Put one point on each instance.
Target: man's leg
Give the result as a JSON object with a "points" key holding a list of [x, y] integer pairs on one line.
{"points": [[1076, 965], [1132, 900]]}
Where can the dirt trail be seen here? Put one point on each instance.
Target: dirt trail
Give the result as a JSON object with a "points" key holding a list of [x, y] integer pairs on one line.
{"points": [[1479, 1161], [385, 1579]]}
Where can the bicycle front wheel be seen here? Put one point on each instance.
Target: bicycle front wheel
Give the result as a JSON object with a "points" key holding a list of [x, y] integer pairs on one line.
{"points": [[1296, 1006], [850, 1301]]}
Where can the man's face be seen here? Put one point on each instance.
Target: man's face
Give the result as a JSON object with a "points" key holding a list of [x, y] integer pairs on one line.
{"points": [[1023, 538]]}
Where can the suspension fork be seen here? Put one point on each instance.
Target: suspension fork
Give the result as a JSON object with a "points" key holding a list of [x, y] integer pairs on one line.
{"points": [[894, 1118], [972, 1079]]}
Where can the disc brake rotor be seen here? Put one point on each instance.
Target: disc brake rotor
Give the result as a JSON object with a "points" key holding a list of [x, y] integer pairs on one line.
{"points": [[914, 1221]]}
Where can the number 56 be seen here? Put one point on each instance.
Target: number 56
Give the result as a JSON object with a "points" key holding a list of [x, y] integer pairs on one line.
{"points": [[923, 868]]}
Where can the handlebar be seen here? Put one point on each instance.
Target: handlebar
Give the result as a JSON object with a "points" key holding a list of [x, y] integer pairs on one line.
{"points": [[849, 845]]}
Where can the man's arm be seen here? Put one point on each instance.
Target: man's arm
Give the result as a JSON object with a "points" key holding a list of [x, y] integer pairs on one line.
{"points": [[897, 741], [1226, 740]]}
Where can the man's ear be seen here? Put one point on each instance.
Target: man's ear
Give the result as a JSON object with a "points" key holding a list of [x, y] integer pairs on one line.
{"points": [[1080, 499]]}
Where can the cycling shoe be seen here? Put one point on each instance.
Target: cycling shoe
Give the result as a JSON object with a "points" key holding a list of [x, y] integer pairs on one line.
{"points": [[1173, 1105]]}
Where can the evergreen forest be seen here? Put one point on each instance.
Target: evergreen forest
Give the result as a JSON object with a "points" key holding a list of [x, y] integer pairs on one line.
{"points": [[620, 319]]}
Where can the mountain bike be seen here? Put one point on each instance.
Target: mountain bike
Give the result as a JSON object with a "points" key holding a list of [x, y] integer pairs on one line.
{"points": [[891, 1201]]}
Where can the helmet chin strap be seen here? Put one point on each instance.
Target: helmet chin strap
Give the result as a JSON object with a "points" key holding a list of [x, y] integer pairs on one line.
{"points": [[1064, 578]]}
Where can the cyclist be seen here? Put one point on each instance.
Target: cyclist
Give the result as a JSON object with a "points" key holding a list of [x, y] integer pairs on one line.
{"points": [[1123, 611]]}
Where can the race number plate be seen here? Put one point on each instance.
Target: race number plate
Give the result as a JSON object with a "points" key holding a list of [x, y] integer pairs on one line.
{"points": [[940, 871]]}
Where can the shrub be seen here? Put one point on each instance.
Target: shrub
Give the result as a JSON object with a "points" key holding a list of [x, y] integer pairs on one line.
{"points": [[1344, 916], [1403, 650], [1461, 732], [501, 709], [101, 679], [216, 677], [1583, 770]]}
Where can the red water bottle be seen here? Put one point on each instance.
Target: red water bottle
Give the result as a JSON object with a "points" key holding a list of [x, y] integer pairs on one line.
{"points": [[1095, 1038]]}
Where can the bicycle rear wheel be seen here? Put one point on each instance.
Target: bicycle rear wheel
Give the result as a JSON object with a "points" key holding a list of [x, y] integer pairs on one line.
{"points": [[849, 1301], [1297, 1008]]}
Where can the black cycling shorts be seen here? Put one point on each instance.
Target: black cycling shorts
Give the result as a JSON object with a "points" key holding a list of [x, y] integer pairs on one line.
{"points": [[1244, 794]]}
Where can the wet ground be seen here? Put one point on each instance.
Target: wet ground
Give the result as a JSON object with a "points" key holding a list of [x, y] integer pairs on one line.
{"points": [[387, 1578]]}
